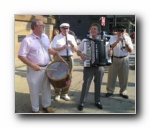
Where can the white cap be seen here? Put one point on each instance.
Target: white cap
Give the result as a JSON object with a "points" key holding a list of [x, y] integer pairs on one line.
{"points": [[64, 25]]}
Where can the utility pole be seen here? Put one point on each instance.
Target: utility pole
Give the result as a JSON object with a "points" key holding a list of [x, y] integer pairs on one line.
{"points": [[114, 21], [102, 20]]}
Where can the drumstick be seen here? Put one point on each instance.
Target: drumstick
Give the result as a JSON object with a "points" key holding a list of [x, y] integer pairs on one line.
{"points": [[62, 59], [48, 69]]}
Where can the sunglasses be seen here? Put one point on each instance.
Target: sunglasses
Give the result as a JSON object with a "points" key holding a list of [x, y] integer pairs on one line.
{"points": [[64, 28], [121, 30]]}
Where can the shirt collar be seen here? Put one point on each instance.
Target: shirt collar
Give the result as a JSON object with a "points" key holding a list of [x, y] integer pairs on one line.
{"points": [[97, 37], [35, 36]]}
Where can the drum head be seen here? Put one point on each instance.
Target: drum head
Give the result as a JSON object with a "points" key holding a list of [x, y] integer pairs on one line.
{"points": [[60, 73]]}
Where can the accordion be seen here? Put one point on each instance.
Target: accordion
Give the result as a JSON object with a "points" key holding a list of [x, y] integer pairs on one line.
{"points": [[96, 52]]}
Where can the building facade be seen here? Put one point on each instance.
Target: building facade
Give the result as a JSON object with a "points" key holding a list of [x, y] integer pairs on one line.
{"points": [[22, 28], [80, 23]]}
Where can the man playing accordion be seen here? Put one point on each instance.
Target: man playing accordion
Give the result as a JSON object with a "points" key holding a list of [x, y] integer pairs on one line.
{"points": [[89, 72]]}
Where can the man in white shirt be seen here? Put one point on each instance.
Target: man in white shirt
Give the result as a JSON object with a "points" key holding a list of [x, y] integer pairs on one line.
{"points": [[122, 46], [34, 52], [65, 45]]}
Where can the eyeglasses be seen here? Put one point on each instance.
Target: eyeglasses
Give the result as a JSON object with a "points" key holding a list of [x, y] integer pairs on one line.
{"points": [[42, 25], [121, 30]]}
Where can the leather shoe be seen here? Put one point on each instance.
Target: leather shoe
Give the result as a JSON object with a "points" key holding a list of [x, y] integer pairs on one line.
{"points": [[124, 96], [108, 94], [80, 107], [48, 110], [99, 105]]}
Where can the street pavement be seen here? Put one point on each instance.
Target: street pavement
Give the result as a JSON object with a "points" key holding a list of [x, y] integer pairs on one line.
{"points": [[113, 105]]}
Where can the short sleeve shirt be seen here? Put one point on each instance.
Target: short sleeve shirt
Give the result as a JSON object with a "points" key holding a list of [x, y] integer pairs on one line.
{"points": [[117, 51], [60, 40], [32, 49]]}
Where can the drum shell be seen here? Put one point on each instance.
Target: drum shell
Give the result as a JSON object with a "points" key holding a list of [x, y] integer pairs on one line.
{"points": [[59, 83]]}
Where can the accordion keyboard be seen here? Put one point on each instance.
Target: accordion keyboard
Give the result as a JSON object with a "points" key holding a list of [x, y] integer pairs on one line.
{"points": [[96, 52], [87, 52]]}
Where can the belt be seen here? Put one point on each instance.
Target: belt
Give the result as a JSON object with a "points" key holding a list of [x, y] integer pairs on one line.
{"points": [[119, 57], [43, 65], [96, 66], [66, 56]]}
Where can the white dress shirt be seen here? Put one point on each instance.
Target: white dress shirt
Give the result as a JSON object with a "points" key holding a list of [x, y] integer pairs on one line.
{"points": [[117, 51], [60, 40]]}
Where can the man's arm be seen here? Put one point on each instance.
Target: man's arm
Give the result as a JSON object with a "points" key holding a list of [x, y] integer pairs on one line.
{"points": [[29, 63]]}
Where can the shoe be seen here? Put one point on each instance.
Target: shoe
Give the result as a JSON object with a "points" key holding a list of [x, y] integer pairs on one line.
{"points": [[66, 97], [48, 110], [99, 105], [57, 98], [80, 107], [108, 94], [124, 96], [35, 111]]}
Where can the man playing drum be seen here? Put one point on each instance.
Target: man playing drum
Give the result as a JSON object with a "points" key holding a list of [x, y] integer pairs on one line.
{"points": [[34, 52], [65, 45]]}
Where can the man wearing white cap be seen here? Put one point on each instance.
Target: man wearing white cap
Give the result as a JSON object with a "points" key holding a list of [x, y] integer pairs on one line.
{"points": [[65, 45]]}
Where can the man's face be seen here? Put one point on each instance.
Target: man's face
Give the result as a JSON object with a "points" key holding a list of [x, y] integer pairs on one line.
{"points": [[40, 27], [64, 30], [120, 32], [94, 31]]}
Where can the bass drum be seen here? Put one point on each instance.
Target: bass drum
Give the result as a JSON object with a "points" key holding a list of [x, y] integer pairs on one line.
{"points": [[58, 74]]}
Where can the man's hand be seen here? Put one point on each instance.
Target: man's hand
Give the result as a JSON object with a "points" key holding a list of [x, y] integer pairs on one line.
{"points": [[82, 55], [36, 67], [70, 43]]}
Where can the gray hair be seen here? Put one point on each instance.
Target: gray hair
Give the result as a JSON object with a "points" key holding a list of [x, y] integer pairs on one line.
{"points": [[34, 23]]}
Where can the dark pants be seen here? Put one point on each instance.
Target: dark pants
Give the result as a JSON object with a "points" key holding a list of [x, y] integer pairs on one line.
{"points": [[88, 74]]}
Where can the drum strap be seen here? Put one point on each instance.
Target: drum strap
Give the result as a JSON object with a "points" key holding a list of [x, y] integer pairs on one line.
{"points": [[42, 44]]}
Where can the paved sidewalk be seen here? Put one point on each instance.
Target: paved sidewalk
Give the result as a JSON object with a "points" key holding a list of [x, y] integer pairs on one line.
{"points": [[112, 105]]}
